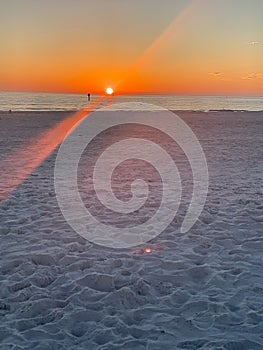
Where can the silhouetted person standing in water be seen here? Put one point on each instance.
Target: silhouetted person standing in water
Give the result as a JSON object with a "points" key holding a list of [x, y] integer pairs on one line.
{"points": [[88, 97]]}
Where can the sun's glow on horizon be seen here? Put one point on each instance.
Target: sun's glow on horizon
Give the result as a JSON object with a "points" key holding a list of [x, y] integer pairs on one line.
{"points": [[109, 91], [178, 52]]}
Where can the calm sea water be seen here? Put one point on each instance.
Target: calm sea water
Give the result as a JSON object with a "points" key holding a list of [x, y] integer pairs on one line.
{"points": [[21, 101]]}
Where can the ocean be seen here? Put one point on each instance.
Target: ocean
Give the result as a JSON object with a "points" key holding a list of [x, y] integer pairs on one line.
{"points": [[25, 101]]}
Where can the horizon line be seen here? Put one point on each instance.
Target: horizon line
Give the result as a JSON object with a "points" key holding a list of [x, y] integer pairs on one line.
{"points": [[142, 93]]}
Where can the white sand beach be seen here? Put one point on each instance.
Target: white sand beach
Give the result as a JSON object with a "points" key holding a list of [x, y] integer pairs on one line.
{"points": [[199, 290]]}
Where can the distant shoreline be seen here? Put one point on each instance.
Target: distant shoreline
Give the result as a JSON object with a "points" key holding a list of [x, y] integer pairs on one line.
{"points": [[172, 110], [37, 102]]}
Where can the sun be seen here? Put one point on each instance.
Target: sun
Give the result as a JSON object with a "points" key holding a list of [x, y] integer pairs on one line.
{"points": [[109, 91]]}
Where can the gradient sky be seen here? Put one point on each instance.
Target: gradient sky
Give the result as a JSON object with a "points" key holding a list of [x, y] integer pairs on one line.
{"points": [[135, 46]]}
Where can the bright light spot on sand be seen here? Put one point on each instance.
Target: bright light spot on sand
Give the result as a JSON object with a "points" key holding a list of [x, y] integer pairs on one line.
{"points": [[148, 250], [109, 91]]}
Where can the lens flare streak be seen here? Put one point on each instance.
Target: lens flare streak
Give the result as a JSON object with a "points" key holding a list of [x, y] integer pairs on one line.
{"points": [[15, 168]]}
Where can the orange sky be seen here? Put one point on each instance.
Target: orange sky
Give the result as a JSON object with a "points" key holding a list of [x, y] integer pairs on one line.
{"points": [[139, 46]]}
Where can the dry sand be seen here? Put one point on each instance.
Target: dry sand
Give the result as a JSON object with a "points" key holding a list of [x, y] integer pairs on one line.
{"points": [[199, 290]]}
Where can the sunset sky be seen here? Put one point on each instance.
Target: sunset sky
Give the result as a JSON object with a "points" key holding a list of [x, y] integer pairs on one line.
{"points": [[135, 46]]}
